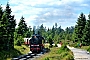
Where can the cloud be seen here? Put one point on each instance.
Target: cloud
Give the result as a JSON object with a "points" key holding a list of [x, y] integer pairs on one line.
{"points": [[48, 12]]}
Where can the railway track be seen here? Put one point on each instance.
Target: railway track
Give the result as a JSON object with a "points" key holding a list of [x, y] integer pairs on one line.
{"points": [[30, 56]]}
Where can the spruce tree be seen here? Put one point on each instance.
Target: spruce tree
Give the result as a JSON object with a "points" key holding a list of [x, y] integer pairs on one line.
{"points": [[42, 30], [28, 33], [86, 32], [1, 13], [78, 32], [53, 32], [22, 27], [34, 29], [11, 26], [74, 35], [4, 32]]}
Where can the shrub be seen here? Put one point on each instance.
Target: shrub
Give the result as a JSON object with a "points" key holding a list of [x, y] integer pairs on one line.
{"points": [[46, 58], [63, 48], [64, 54], [50, 46], [76, 45], [88, 49], [19, 41], [69, 57], [50, 42], [55, 45]]}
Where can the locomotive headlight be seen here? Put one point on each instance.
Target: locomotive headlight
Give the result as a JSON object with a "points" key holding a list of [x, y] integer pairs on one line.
{"points": [[32, 45], [37, 45]]}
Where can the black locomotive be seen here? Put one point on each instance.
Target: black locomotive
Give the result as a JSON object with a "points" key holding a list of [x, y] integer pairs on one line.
{"points": [[36, 43]]}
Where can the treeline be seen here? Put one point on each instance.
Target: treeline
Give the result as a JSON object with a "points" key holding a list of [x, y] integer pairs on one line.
{"points": [[78, 34], [10, 36], [56, 34]]}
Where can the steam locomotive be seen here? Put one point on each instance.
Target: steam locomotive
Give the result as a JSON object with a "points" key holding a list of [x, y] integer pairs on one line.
{"points": [[36, 43]]}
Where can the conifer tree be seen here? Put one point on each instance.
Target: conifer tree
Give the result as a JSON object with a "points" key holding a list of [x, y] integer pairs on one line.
{"points": [[4, 32], [11, 26], [42, 30], [78, 32], [1, 13], [53, 31], [86, 32], [34, 28], [22, 27]]}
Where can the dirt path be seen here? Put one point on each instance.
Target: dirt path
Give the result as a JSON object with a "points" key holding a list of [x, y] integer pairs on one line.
{"points": [[79, 54]]}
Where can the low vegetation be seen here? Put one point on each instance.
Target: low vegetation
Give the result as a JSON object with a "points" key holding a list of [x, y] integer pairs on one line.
{"points": [[86, 48], [62, 53], [76, 45], [18, 50]]}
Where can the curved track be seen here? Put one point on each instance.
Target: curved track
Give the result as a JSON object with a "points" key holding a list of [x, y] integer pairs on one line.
{"points": [[30, 56]]}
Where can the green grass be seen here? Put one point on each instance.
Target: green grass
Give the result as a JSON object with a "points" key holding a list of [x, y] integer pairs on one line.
{"points": [[23, 49], [18, 50], [86, 48], [62, 53], [76, 46]]}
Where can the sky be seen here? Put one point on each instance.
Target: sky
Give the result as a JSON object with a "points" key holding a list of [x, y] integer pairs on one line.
{"points": [[48, 12]]}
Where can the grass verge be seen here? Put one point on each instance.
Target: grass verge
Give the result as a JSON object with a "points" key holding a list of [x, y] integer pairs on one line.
{"points": [[86, 48], [18, 50], [62, 53]]}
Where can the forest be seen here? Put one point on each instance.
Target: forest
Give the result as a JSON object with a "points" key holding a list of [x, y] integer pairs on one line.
{"points": [[11, 35]]}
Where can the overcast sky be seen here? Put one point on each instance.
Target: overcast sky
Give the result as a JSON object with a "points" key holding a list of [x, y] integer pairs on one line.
{"points": [[48, 12]]}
